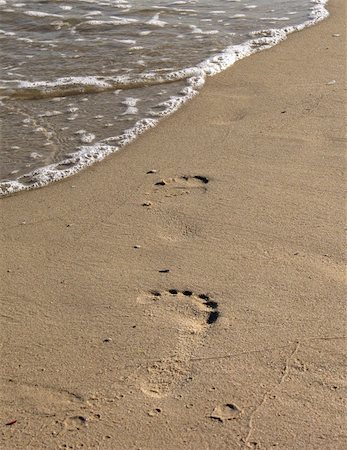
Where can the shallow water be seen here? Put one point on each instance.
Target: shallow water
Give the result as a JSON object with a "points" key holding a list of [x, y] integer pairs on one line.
{"points": [[82, 78]]}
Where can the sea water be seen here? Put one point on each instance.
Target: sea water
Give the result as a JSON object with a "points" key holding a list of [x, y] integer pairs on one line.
{"points": [[82, 78]]}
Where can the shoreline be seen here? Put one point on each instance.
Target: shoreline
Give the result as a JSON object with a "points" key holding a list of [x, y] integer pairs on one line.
{"points": [[191, 314], [89, 155]]}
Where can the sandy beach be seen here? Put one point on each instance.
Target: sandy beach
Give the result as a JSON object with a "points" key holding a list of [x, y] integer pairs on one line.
{"points": [[188, 292]]}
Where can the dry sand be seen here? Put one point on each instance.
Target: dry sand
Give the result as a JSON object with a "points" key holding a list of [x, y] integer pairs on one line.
{"points": [[97, 353]]}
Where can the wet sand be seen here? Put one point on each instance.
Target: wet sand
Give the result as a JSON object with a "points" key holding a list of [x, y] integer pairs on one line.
{"points": [[201, 305]]}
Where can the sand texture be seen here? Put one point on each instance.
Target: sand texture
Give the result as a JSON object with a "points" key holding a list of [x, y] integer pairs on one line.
{"points": [[200, 305]]}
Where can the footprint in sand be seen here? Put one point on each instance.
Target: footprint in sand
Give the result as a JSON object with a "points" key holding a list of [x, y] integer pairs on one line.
{"points": [[183, 319], [181, 185], [44, 400], [75, 422]]}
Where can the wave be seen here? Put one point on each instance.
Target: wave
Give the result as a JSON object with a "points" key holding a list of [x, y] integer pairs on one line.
{"points": [[69, 86]]}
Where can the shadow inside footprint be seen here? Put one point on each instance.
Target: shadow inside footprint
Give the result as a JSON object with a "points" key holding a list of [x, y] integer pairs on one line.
{"points": [[75, 422], [210, 304], [203, 179], [183, 318], [203, 302], [184, 181]]}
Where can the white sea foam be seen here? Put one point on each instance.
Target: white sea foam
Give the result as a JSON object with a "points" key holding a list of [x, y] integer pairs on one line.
{"points": [[197, 30], [114, 21], [87, 138], [50, 114], [41, 14], [65, 81], [35, 155], [126, 41], [156, 21]]}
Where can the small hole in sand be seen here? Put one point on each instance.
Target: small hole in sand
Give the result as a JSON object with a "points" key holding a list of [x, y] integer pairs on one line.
{"points": [[173, 291], [156, 293], [211, 304], [212, 318], [187, 293], [205, 180]]}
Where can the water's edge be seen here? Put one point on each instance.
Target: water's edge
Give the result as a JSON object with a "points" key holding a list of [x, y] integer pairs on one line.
{"points": [[195, 79]]}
